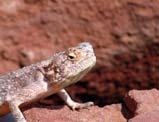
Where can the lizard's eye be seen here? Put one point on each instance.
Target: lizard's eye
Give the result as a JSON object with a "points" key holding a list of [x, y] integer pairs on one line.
{"points": [[71, 56]]}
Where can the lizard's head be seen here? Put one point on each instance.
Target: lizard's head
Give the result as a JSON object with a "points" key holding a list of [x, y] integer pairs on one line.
{"points": [[71, 65]]}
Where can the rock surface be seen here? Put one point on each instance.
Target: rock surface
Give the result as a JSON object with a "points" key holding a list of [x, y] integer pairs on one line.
{"points": [[151, 116], [64, 114], [142, 101], [144, 104], [142, 107]]}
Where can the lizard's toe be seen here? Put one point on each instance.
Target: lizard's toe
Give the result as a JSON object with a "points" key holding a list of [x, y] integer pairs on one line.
{"points": [[77, 106]]}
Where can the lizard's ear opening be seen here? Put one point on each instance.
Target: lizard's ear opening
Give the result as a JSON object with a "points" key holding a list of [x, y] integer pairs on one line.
{"points": [[71, 56]]}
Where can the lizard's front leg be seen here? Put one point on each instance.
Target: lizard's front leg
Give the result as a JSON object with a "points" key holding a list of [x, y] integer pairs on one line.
{"points": [[16, 112], [72, 104]]}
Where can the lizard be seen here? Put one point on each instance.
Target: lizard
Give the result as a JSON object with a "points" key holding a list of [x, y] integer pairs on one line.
{"points": [[37, 81]]}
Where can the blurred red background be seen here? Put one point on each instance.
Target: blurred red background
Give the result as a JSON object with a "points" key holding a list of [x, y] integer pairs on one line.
{"points": [[125, 36]]}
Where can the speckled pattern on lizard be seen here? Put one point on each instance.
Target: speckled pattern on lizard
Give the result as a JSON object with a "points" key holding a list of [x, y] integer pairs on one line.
{"points": [[37, 81]]}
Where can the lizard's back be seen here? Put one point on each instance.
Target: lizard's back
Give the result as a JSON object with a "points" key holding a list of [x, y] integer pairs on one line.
{"points": [[10, 84], [14, 81]]}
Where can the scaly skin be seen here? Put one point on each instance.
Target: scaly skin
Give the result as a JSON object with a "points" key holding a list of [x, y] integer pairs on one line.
{"points": [[37, 81]]}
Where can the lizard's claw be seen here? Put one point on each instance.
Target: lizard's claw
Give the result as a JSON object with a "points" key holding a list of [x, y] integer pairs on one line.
{"points": [[77, 106]]}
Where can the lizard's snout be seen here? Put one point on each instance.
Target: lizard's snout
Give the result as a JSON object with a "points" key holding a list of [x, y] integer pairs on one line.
{"points": [[88, 54]]}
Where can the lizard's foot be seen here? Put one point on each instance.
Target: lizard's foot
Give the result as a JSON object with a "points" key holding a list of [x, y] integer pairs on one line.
{"points": [[72, 104], [77, 106]]}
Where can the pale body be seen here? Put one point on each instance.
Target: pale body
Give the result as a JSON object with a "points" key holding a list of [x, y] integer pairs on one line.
{"points": [[37, 81]]}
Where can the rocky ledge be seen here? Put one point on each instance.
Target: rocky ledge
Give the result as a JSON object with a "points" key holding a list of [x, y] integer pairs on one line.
{"points": [[138, 106]]}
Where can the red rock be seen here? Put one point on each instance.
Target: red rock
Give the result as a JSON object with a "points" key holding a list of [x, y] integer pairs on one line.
{"points": [[142, 101], [152, 116], [110, 113]]}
